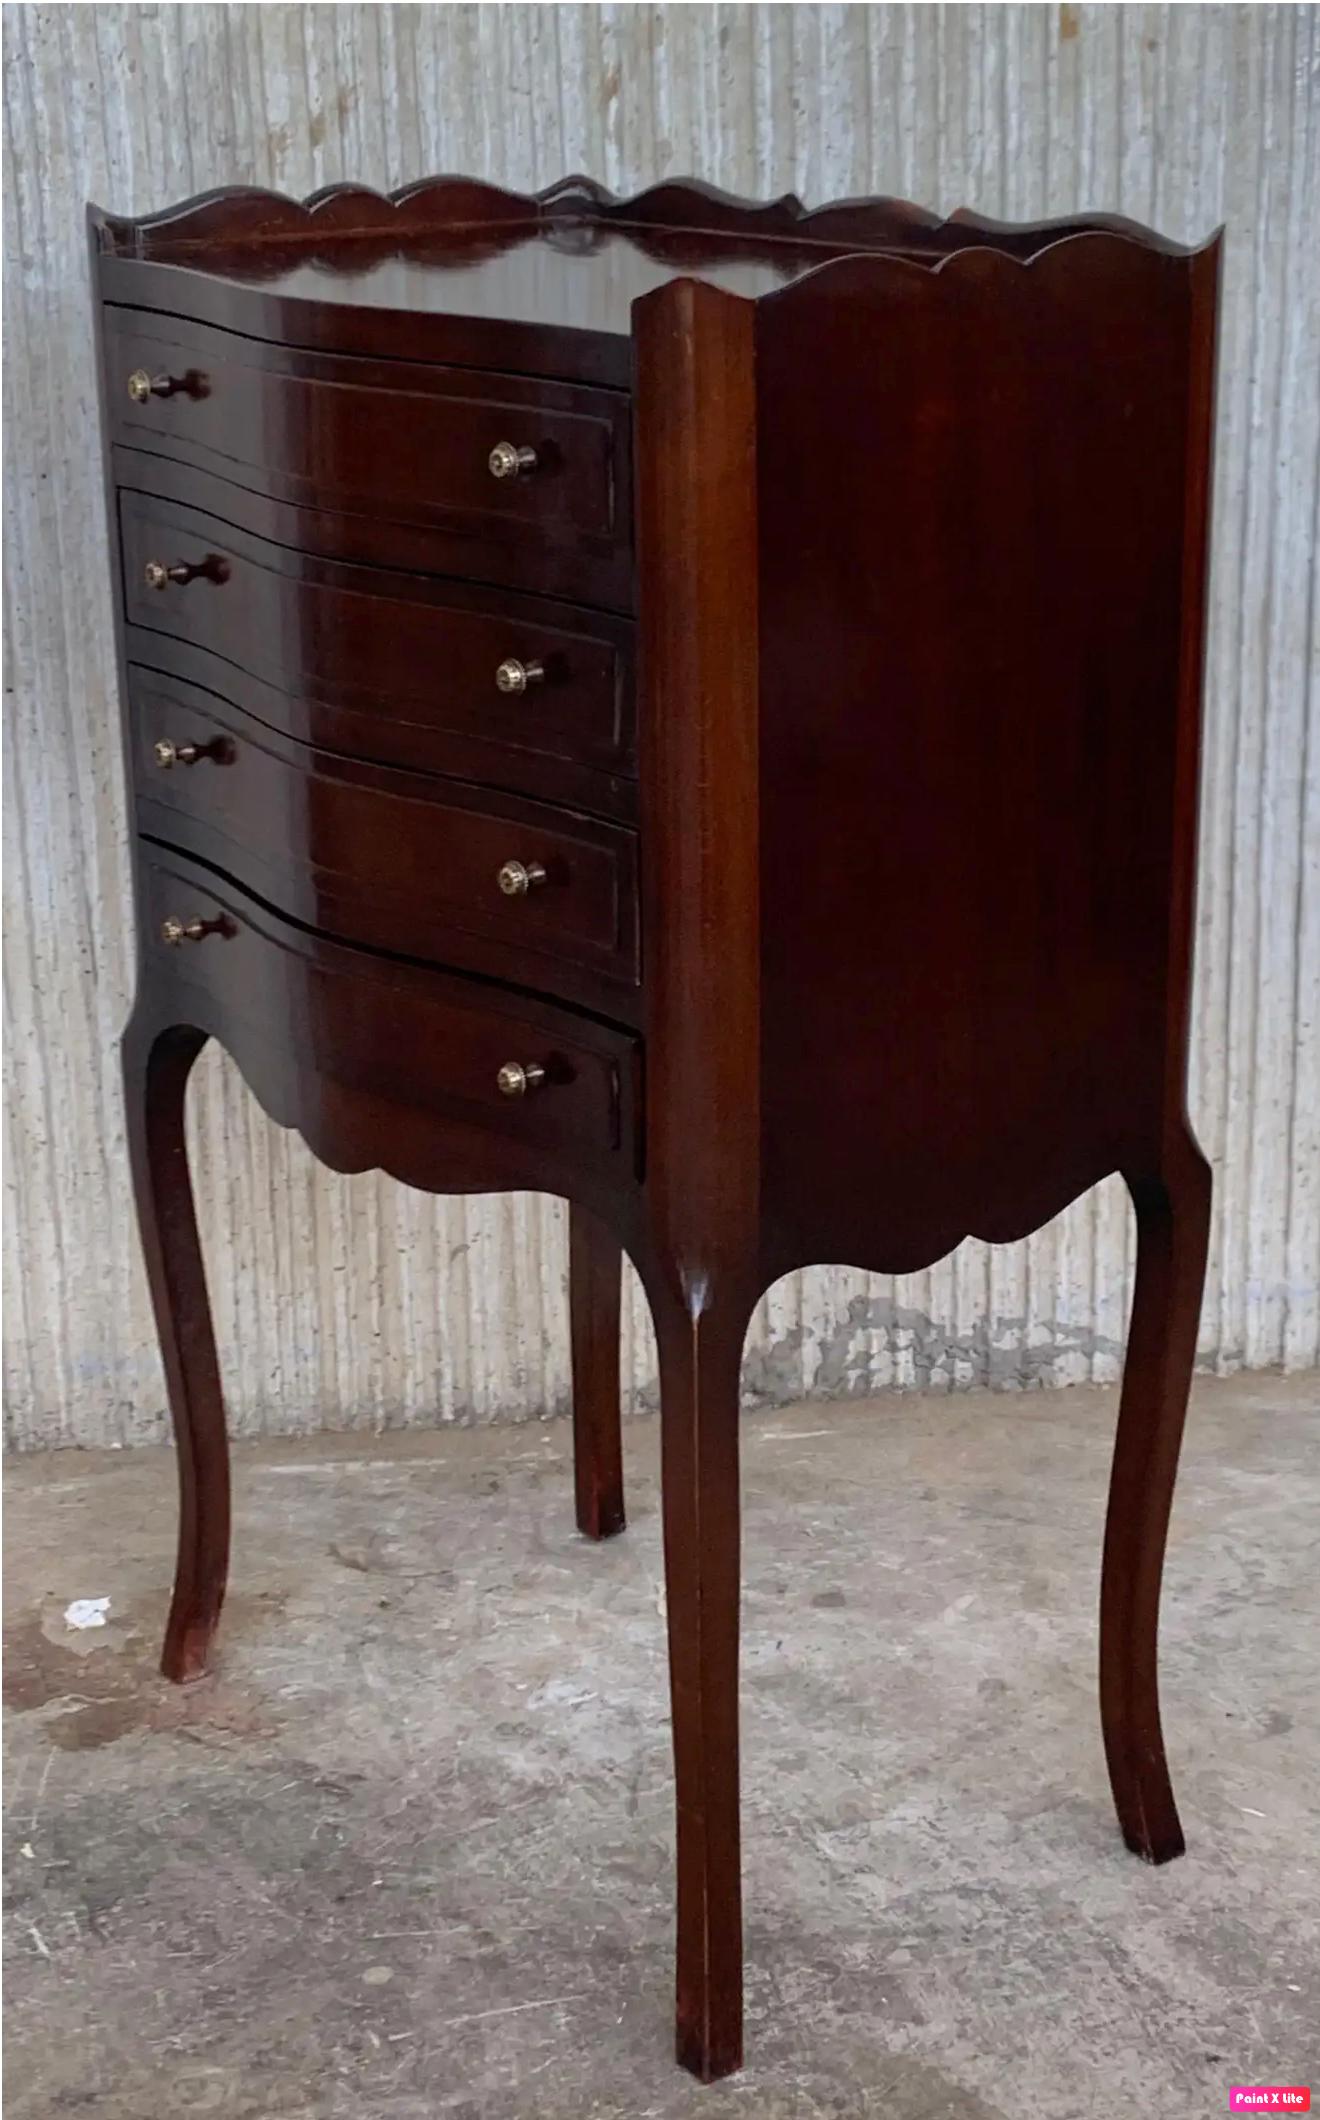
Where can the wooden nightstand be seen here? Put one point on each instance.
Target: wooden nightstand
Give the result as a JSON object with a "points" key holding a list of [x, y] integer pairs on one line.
{"points": [[691, 706]]}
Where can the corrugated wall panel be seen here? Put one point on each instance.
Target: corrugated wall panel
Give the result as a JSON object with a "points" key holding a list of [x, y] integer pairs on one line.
{"points": [[346, 1301]]}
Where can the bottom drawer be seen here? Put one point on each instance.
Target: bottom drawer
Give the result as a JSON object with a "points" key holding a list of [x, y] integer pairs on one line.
{"points": [[433, 1041]]}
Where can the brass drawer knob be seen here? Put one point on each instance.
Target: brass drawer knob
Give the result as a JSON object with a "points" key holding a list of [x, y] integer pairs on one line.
{"points": [[507, 460], [175, 931], [169, 754], [157, 575], [142, 387], [515, 676], [516, 1077], [517, 878]]}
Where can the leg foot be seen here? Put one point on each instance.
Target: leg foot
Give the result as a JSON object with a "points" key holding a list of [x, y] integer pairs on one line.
{"points": [[700, 1358], [156, 1069], [595, 1263], [1173, 1224]]}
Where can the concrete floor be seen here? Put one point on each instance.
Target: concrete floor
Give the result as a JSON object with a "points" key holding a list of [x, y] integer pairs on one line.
{"points": [[407, 1853]]}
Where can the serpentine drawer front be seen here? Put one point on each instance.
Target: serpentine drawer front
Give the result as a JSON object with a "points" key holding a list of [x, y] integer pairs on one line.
{"points": [[516, 691], [423, 867], [493, 459], [351, 1022], [693, 707]]}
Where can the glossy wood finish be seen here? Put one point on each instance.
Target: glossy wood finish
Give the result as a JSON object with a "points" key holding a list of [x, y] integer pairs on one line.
{"points": [[700, 1338], [468, 220], [315, 1025], [697, 551], [1173, 1234], [595, 1267], [378, 663], [382, 664], [540, 285], [867, 918], [389, 439], [157, 1059], [1024, 652], [401, 861]]}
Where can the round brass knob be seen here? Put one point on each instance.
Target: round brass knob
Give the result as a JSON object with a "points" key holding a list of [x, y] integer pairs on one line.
{"points": [[515, 676], [175, 931], [508, 460], [516, 1077], [517, 878], [142, 387], [157, 575], [169, 754]]}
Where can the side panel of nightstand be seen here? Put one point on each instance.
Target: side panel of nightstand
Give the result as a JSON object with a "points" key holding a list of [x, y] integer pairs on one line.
{"points": [[982, 550]]}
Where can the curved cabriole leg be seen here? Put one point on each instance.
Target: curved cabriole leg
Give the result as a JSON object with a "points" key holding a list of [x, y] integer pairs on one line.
{"points": [[157, 1064], [700, 1359], [1173, 1227], [595, 1266]]}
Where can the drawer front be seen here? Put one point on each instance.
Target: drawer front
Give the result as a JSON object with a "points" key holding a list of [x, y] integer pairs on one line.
{"points": [[389, 666], [421, 866], [292, 1006], [398, 440]]}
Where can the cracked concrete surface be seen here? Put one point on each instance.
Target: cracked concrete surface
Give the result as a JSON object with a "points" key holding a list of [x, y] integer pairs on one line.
{"points": [[407, 1853]]}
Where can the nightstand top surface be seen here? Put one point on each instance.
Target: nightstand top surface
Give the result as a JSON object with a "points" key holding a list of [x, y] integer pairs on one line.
{"points": [[530, 276], [572, 256]]}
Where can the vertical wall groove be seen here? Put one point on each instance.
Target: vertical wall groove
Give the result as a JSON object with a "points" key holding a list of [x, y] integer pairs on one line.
{"points": [[345, 1301]]}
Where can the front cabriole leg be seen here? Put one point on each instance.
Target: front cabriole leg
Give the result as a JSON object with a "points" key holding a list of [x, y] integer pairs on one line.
{"points": [[156, 1066], [700, 1336], [1173, 1228]]}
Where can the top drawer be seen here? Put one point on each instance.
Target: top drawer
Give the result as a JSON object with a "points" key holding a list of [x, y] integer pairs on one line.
{"points": [[398, 442]]}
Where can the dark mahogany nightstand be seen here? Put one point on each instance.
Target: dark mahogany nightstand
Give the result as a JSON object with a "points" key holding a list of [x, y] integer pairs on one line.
{"points": [[691, 706]]}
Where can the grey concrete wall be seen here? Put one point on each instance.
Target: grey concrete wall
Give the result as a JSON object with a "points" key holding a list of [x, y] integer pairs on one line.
{"points": [[346, 1301]]}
